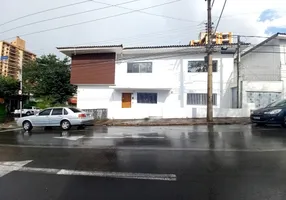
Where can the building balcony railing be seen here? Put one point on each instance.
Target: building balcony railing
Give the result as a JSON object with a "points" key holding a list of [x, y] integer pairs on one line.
{"points": [[13, 51], [14, 54], [14, 60], [14, 67], [28, 57]]}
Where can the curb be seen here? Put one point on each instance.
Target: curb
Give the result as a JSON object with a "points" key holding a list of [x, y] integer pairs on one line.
{"points": [[9, 129], [173, 124]]}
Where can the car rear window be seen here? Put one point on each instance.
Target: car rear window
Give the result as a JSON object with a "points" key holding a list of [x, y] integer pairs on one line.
{"points": [[75, 110]]}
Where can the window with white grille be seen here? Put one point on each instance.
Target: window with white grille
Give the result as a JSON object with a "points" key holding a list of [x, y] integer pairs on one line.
{"points": [[199, 99], [150, 98], [200, 66], [139, 67]]}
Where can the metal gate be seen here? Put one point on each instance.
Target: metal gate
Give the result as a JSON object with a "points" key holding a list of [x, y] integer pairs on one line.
{"points": [[262, 99], [97, 113]]}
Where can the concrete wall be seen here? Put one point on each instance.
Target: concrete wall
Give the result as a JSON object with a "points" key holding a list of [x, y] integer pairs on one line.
{"points": [[262, 64], [173, 73], [172, 102], [283, 65], [168, 105]]}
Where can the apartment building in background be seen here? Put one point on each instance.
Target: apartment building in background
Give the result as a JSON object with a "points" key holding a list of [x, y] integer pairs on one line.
{"points": [[152, 81], [13, 56], [219, 38]]}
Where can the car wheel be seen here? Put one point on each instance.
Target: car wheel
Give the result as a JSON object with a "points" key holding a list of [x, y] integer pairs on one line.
{"points": [[28, 113], [66, 125], [27, 126]]}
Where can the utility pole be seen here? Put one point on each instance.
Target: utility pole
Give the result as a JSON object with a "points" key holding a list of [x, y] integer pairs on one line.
{"points": [[21, 89], [237, 72], [210, 67]]}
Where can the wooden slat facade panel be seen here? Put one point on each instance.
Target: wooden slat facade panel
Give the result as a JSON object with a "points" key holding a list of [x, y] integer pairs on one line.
{"points": [[93, 69]]}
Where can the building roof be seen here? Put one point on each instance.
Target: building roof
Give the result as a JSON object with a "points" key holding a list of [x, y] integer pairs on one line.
{"points": [[69, 51], [144, 47], [85, 47], [181, 46], [8, 43], [262, 43]]}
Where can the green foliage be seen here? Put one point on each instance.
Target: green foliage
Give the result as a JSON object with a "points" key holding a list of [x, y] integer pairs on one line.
{"points": [[48, 79], [45, 102], [8, 87], [29, 104]]}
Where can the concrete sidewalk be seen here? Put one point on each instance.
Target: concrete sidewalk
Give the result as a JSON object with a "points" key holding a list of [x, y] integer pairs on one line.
{"points": [[171, 122], [153, 122], [8, 125]]}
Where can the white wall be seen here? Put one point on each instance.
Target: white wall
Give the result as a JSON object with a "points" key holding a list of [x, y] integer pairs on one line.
{"points": [[283, 65], [197, 82], [173, 73], [172, 103], [92, 97], [259, 66]]}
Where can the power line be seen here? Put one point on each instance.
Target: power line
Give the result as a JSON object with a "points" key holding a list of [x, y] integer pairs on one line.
{"points": [[174, 18], [213, 3], [89, 21], [69, 15], [134, 37], [157, 33], [43, 11], [220, 16]]}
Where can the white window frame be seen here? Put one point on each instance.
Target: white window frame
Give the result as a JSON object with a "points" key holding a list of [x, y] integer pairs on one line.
{"points": [[148, 71], [139, 93], [203, 61], [200, 99]]}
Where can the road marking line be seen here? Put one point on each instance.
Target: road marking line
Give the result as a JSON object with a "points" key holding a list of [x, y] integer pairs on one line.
{"points": [[125, 137], [142, 148], [8, 167], [41, 170], [122, 175], [73, 138]]}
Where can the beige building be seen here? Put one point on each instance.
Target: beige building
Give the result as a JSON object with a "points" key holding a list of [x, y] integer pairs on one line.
{"points": [[218, 39], [15, 56]]}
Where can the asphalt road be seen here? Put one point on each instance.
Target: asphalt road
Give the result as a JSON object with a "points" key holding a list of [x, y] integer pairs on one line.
{"points": [[199, 162]]}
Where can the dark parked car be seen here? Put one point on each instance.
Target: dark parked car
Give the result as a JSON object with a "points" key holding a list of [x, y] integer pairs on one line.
{"points": [[274, 113]]}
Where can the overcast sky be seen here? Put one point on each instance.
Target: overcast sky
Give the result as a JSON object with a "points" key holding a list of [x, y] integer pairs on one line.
{"points": [[245, 17]]}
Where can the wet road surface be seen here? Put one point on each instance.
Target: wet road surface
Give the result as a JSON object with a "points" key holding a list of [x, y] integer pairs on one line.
{"points": [[199, 162]]}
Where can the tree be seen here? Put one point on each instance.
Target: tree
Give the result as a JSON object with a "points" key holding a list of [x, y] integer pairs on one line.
{"points": [[48, 77], [8, 87]]}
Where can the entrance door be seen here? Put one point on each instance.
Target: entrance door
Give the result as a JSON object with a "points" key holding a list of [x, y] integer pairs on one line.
{"points": [[126, 100]]}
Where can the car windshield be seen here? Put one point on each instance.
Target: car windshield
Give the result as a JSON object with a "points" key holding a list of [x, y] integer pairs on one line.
{"points": [[75, 110], [277, 104]]}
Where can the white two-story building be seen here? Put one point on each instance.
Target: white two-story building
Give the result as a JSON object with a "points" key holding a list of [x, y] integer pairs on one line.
{"points": [[156, 81]]}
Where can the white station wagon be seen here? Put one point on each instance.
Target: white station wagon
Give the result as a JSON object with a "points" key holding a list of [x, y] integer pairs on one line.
{"points": [[64, 117]]}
